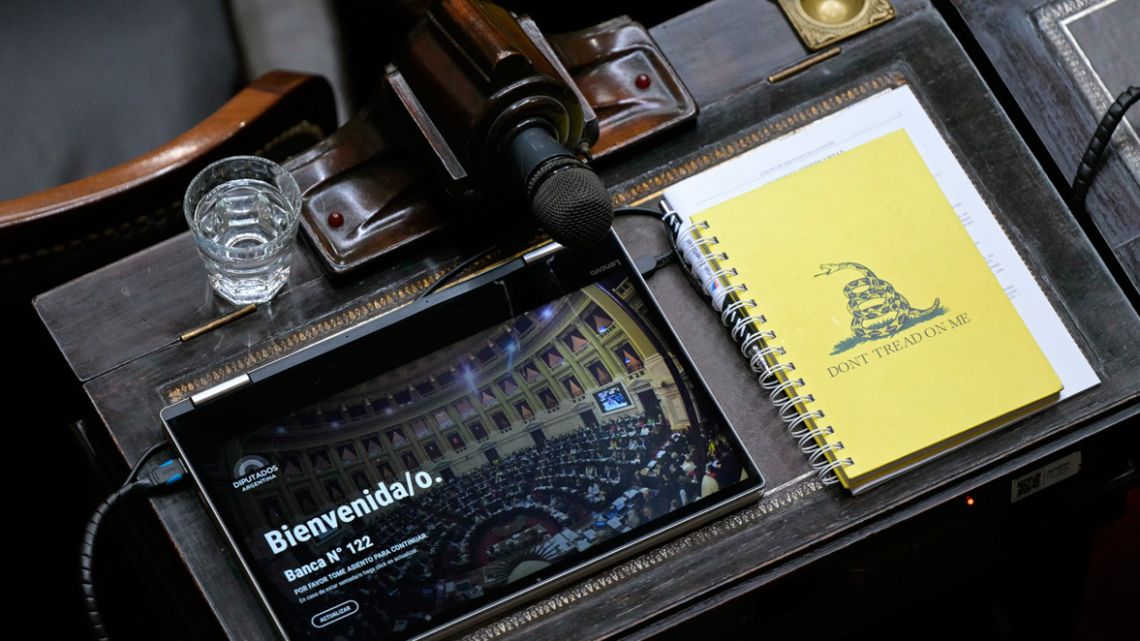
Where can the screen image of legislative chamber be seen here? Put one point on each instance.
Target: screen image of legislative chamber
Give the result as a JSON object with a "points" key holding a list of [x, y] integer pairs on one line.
{"points": [[490, 460]]}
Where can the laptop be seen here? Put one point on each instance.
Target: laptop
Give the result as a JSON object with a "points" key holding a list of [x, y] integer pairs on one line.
{"points": [[430, 468]]}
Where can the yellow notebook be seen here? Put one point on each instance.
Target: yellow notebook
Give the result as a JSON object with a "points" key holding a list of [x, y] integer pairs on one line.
{"points": [[885, 337]]}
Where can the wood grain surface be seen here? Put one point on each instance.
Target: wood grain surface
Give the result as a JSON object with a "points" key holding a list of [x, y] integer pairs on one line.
{"points": [[1050, 101]]}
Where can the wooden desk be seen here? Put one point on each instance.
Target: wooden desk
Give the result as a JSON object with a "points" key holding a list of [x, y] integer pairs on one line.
{"points": [[118, 328], [1054, 85]]}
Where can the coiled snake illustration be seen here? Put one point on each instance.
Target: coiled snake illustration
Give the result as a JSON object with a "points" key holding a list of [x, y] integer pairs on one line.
{"points": [[877, 309]]}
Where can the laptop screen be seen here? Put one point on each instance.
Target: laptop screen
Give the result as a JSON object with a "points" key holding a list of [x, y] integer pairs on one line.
{"points": [[450, 479]]}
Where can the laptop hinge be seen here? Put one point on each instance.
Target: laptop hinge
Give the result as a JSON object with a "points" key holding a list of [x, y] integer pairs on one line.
{"points": [[538, 254], [219, 390]]}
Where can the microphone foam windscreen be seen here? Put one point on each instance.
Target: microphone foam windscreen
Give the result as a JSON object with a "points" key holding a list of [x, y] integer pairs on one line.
{"points": [[571, 203]]}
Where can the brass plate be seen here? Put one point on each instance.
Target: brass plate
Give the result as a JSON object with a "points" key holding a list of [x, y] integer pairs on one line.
{"points": [[823, 22]]}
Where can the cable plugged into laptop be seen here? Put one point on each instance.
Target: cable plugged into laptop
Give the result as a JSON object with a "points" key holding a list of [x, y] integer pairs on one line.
{"points": [[647, 265], [156, 479], [166, 474]]}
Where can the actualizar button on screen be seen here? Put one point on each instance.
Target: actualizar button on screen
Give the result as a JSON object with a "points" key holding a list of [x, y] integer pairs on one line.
{"points": [[335, 613]]}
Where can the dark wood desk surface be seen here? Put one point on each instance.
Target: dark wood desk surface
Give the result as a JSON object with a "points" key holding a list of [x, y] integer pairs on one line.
{"points": [[1045, 85], [118, 328]]}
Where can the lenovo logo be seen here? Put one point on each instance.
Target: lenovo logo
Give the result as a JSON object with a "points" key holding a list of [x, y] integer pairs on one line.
{"points": [[610, 265]]}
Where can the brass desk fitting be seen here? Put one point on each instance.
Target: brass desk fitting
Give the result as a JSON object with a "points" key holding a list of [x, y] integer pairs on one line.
{"points": [[823, 22], [803, 65], [218, 322]]}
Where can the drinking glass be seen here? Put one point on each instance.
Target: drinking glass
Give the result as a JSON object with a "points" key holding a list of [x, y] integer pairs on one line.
{"points": [[243, 212]]}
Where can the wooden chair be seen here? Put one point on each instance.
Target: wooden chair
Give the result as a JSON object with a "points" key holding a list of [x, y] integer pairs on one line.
{"points": [[60, 233], [53, 236]]}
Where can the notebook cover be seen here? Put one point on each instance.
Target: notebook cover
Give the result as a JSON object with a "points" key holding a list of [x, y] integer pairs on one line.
{"points": [[900, 331]]}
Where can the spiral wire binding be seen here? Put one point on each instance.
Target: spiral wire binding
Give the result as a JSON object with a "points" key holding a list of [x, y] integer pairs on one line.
{"points": [[704, 270], [807, 439], [798, 426]]}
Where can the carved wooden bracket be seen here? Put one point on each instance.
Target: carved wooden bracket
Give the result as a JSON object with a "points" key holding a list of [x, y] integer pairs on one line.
{"points": [[427, 151]]}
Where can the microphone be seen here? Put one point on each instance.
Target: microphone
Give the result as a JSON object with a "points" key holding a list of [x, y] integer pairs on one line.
{"points": [[567, 198]]}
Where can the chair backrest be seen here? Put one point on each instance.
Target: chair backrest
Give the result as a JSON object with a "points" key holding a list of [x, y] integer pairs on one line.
{"points": [[49, 237]]}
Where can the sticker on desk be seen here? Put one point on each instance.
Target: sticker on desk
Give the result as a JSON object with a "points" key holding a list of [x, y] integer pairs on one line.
{"points": [[1043, 477]]}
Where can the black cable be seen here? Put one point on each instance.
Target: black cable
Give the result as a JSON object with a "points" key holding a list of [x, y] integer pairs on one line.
{"points": [[644, 264], [454, 271], [162, 476], [1094, 153], [647, 265], [661, 260], [87, 556], [134, 474]]}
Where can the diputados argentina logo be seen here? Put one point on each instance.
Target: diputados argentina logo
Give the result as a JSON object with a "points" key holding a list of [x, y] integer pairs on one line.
{"points": [[385, 494], [252, 471]]}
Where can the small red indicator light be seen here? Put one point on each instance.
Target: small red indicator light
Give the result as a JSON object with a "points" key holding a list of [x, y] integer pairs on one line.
{"points": [[970, 501]]}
